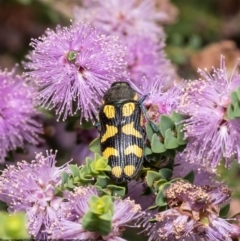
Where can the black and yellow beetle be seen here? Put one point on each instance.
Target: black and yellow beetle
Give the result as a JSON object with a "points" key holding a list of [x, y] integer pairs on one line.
{"points": [[122, 134]]}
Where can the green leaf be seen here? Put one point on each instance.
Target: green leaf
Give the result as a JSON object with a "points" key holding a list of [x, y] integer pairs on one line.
{"points": [[238, 92], [13, 227], [159, 184], [156, 145], [74, 170], [161, 199], [170, 153], [64, 177], [93, 223], [151, 177], [70, 184], [165, 124], [166, 173], [176, 117], [147, 151], [224, 210], [149, 131], [101, 205], [236, 108], [117, 190], [234, 97], [170, 141], [180, 136], [230, 112], [102, 181], [190, 176], [94, 146]]}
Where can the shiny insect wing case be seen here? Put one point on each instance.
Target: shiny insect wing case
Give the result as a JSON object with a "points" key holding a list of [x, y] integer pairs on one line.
{"points": [[121, 134]]}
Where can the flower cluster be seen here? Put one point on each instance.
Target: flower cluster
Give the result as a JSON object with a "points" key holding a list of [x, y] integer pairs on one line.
{"points": [[125, 212], [73, 67], [211, 129], [18, 123], [193, 214], [30, 187]]}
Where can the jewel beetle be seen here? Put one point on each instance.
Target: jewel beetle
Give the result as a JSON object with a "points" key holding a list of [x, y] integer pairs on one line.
{"points": [[122, 136]]}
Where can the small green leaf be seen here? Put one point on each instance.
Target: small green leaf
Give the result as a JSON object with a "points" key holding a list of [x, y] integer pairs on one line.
{"points": [[224, 210], [238, 92], [101, 205], [74, 170], [117, 190], [159, 184], [64, 177], [70, 184], [170, 141], [176, 117], [93, 223], [165, 124], [151, 177], [230, 112], [236, 108], [190, 176], [156, 145], [147, 151], [102, 181], [166, 173], [94, 146], [180, 136], [234, 97], [149, 131], [161, 199]]}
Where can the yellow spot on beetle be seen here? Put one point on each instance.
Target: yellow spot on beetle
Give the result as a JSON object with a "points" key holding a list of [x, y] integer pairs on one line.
{"points": [[129, 129], [135, 97], [109, 111], [134, 149], [110, 151], [117, 171], [128, 109], [129, 170], [111, 131]]}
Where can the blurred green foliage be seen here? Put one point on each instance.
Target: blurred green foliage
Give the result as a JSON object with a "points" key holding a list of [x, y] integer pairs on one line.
{"points": [[13, 226]]}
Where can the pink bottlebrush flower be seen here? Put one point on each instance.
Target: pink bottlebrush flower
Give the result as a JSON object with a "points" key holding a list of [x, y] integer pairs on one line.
{"points": [[159, 101], [17, 113], [30, 187], [123, 17], [145, 58], [193, 214], [73, 67], [125, 212], [212, 135]]}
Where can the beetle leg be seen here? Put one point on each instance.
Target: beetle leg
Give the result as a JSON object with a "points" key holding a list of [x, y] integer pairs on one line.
{"points": [[144, 111], [97, 126]]}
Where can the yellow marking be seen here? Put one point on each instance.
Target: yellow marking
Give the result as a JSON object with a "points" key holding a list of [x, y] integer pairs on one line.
{"points": [[134, 149], [109, 111], [117, 171], [129, 170], [111, 131], [129, 129], [128, 109], [110, 151], [135, 97]]}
